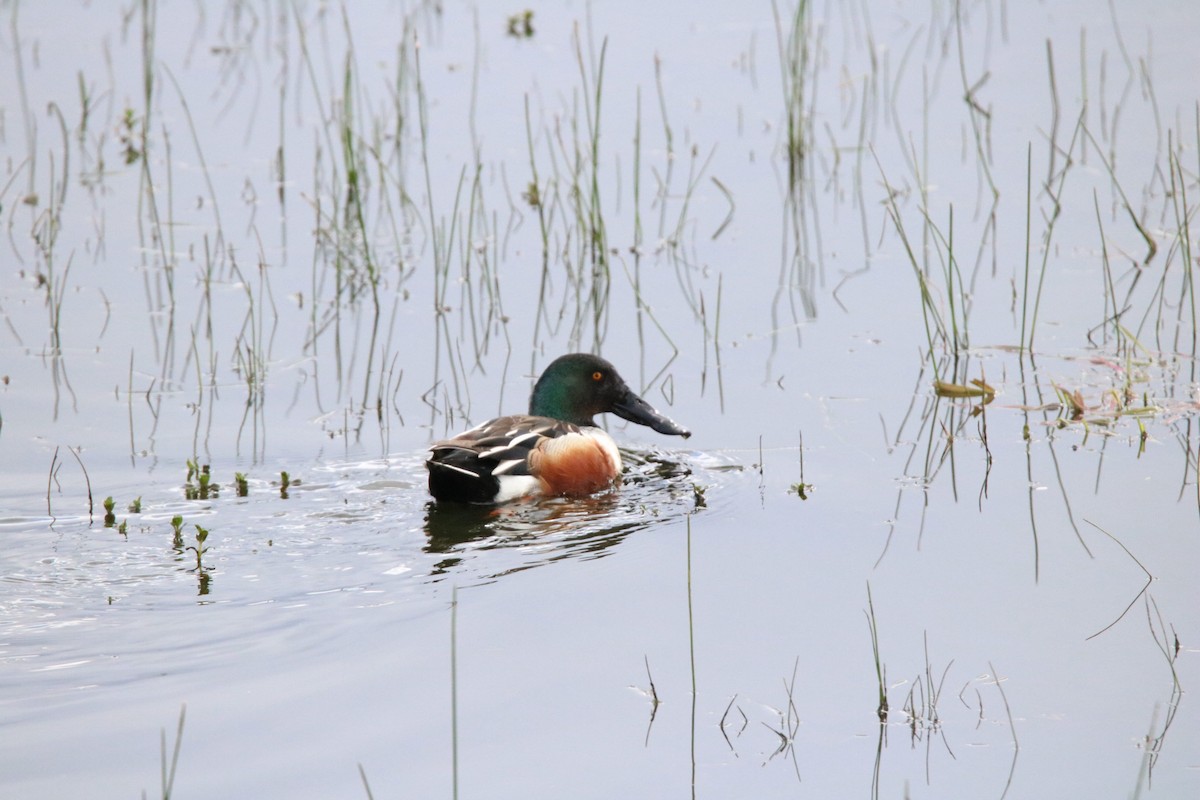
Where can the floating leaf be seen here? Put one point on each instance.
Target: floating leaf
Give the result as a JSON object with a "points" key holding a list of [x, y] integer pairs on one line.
{"points": [[978, 388]]}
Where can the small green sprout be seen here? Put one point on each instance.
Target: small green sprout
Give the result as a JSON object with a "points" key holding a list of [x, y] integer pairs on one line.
{"points": [[800, 489], [206, 485], [203, 486], [531, 195], [128, 135], [520, 25], [199, 549]]}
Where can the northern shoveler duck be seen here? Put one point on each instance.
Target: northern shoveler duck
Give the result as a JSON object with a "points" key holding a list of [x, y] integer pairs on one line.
{"points": [[556, 449]]}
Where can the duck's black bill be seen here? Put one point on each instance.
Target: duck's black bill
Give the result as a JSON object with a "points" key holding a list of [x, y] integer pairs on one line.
{"points": [[635, 409]]}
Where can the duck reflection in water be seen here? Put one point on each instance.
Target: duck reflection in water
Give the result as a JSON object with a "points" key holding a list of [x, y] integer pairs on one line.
{"points": [[554, 528]]}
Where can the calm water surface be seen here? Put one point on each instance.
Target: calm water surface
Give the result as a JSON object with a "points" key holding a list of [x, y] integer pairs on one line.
{"points": [[284, 237]]}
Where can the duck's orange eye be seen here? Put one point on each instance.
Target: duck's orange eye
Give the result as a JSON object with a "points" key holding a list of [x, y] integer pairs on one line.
{"points": [[596, 376]]}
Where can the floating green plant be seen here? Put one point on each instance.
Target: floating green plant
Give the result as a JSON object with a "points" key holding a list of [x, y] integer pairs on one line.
{"points": [[135, 506], [977, 388], [177, 527], [110, 518], [241, 487], [1113, 404]]}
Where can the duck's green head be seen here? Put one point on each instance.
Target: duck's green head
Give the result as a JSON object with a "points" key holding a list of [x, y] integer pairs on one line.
{"points": [[578, 386]]}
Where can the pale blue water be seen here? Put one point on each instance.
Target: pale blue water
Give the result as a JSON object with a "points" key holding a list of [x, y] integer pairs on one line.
{"points": [[352, 623]]}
